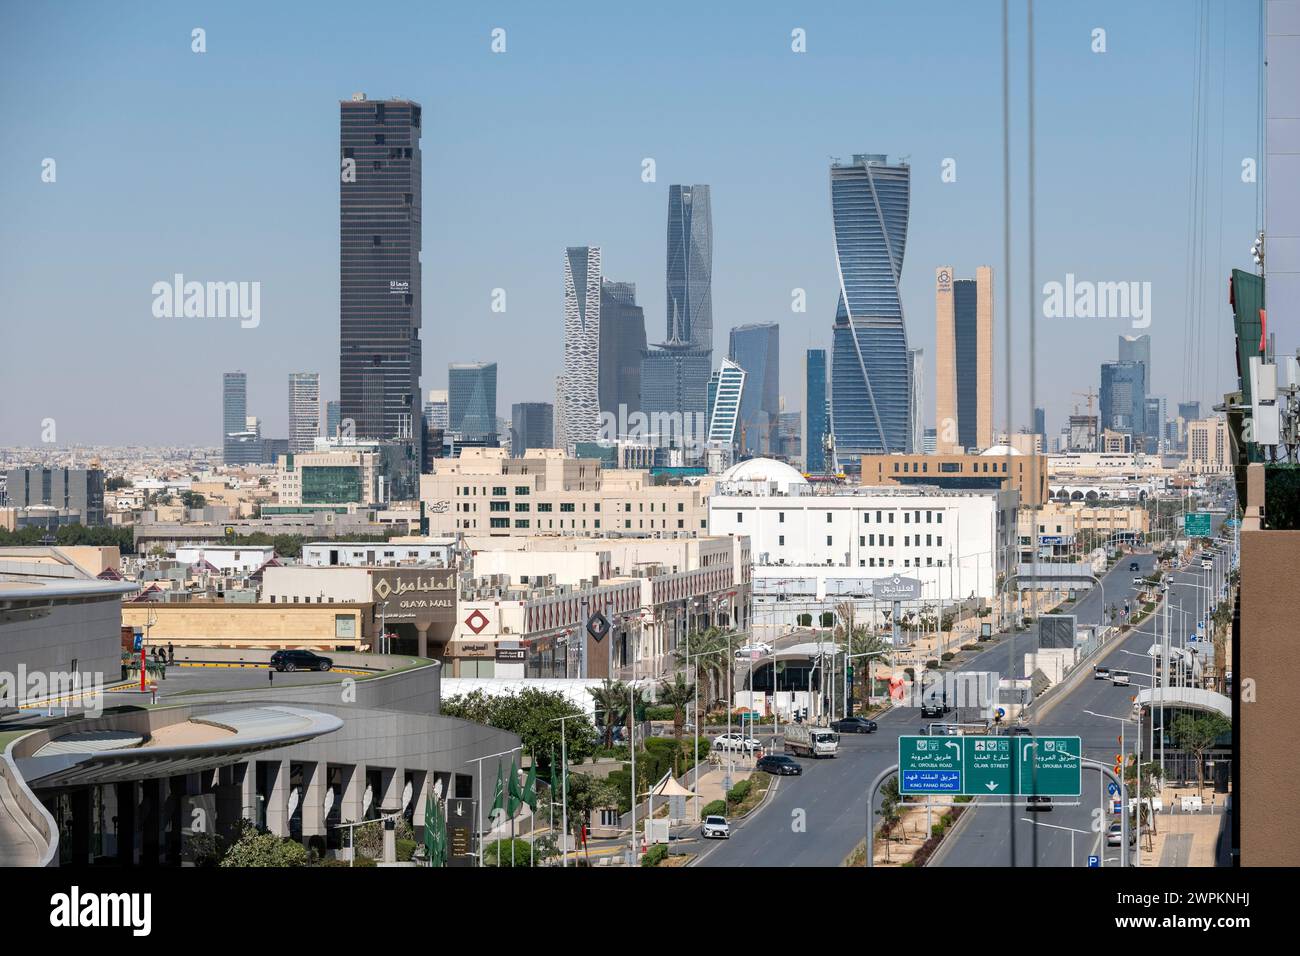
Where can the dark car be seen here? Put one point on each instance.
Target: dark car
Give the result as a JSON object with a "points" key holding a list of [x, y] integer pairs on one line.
{"points": [[300, 661], [779, 765], [1133, 566], [854, 725], [1038, 802], [932, 708]]}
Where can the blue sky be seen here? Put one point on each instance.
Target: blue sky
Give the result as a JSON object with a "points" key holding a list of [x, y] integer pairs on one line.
{"points": [[223, 166]]}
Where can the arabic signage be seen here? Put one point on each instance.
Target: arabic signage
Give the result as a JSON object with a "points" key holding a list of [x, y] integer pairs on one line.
{"points": [[896, 588], [422, 596], [460, 822], [1197, 524], [984, 766], [511, 655]]}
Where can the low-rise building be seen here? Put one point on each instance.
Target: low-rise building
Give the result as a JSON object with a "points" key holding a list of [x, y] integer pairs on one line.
{"points": [[1000, 467]]}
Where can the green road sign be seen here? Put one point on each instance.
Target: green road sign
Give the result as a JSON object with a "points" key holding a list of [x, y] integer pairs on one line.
{"points": [[1049, 766], [1197, 524], [982, 766]]}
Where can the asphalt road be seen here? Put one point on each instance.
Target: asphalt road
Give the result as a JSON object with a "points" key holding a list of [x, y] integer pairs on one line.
{"points": [[985, 839], [818, 818]]}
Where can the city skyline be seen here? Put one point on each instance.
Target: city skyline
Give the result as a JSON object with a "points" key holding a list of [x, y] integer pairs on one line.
{"points": [[756, 266]]}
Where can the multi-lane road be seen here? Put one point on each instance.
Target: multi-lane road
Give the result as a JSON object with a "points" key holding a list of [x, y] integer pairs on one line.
{"points": [[818, 818]]}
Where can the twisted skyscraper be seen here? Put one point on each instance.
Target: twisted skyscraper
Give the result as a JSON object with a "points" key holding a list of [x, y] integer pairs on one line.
{"points": [[871, 370]]}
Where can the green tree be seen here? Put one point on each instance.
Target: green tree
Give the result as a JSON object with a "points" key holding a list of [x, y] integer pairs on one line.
{"points": [[678, 695], [500, 853], [192, 499], [1197, 734], [891, 811], [117, 483], [530, 714], [715, 650], [1144, 784], [612, 699]]}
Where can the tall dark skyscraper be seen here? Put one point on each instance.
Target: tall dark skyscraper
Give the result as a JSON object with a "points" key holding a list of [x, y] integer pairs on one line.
{"points": [[379, 267], [690, 266], [1123, 399], [871, 371], [815, 413], [1040, 422], [622, 342], [472, 400], [234, 417], [675, 375], [757, 349]]}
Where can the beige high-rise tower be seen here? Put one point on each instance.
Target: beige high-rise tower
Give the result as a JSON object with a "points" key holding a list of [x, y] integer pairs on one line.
{"points": [[963, 360]]}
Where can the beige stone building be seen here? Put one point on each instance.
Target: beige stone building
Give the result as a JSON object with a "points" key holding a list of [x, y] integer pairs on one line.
{"points": [[1208, 446], [546, 493], [999, 467], [319, 627], [963, 310]]}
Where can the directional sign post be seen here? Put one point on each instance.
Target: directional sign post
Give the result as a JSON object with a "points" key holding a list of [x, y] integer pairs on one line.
{"points": [[1197, 524], [982, 766]]}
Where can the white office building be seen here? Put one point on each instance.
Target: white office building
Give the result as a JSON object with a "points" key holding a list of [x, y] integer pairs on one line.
{"points": [[815, 546], [304, 411]]}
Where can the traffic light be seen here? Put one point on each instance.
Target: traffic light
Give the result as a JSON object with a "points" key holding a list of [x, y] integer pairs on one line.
{"points": [[1119, 765]]}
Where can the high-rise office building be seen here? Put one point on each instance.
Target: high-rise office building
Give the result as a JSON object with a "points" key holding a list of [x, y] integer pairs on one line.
{"points": [[1155, 423], [963, 357], [436, 410], [1123, 399], [789, 435], [757, 349], [690, 267], [304, 411], [1137, 348], [532, 425], [815, 408], [916, 384], [1189, 411], [234, 416], [674, 393], [871, 373], [472, 400], [1040, 422], [622, 343], [727, 387], [577, 389], [333, 419], [379, 267]]}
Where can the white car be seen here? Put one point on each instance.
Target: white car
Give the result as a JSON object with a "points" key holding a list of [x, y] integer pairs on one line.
{"points": [[1115, 835], [750, 651], [734, 742], [716, 828]]}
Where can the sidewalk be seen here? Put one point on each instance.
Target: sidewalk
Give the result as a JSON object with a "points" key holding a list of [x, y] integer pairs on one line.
{"points": [[1187, 839]]}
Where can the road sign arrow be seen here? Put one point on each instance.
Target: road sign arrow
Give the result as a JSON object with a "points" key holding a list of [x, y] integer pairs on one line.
{"points": [[991, 785]]}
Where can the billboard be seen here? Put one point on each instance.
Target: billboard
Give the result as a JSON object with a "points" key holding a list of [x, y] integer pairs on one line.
{"points": [[1056, 630]]}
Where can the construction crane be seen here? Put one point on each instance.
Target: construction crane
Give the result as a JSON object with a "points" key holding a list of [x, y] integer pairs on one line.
{"points": [[1089, 395]]}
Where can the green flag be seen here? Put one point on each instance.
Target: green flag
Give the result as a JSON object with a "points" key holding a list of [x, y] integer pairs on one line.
{"points": [[515, 797], [498, 802], [440, 836], [431, 829], [555, 772], [529, 795]]}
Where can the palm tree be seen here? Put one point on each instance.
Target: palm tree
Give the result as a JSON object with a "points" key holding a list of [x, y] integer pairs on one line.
{"points": [[712, 649], [612, 699], [861, 640], [678, 694]]}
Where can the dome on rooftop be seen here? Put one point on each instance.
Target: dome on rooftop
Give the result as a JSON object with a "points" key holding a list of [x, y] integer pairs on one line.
{"points": [[766, 470], [999, 451]]}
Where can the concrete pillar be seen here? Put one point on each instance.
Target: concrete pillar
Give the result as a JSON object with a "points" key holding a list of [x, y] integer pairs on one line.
{"points": [[313, 800], [248, 802], [354, 786], [421, 793], [277, 796], [422, 648], [230, 798], [128, 799]]}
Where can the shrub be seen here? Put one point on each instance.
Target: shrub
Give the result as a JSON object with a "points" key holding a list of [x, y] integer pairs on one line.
{"points": [[255, 847], [654, 855], [936, 830], [498, 853], [947, 655], [970, 647], [931, 664], [716, 808], [405, 850], [659, 713], [740, 791]]}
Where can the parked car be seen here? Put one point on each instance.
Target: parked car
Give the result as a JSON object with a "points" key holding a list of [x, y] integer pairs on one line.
{"points": [[1119, 679], [715, 828], [1101, 672], [779, 765], [854, 725], [1133, 566], [1115, 835], [734, 742], [1037, 802], [300, 661], [753, 650]]}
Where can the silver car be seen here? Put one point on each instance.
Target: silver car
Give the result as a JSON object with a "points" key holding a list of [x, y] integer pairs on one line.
{"points": [[716, 828]]}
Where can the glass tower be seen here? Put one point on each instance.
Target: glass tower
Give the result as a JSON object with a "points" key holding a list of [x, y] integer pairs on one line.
{"points": [[577, 388], [304, 411], [690, 267], [379, 266], [622, 342], [871, 373], [472, 399], [756, 349], [1124, 398], [814, 452], [234, 418]]}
